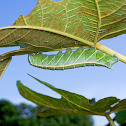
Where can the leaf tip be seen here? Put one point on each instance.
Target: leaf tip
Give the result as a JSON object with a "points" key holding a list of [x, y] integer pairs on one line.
{"points": [[18, 83]]}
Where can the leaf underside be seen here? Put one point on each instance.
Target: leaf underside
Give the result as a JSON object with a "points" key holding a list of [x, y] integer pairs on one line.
{"points": [[72, 59], [3, 65], [70, 103], [53, 24]]}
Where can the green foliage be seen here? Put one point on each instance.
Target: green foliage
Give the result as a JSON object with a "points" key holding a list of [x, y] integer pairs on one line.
{"points": [[55, 24], [72, 59], [3, 65], [24, 110], [70, 103], [7, 110], [25, 115], [7, 113], [121, 117]]}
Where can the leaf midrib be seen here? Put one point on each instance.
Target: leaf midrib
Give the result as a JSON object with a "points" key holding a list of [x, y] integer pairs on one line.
{"points": [[50, 30], [53, 105], [64, 96]]}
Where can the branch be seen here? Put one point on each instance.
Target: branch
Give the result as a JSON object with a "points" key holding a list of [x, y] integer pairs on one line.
{"points": [[109, 124], [110, 120]]}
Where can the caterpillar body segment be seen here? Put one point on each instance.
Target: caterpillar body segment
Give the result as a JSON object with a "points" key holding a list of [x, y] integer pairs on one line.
{"points": [[73, 59]]}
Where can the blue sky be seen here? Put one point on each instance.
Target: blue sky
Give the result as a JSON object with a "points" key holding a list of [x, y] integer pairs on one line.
{"points": [[91, 82]]}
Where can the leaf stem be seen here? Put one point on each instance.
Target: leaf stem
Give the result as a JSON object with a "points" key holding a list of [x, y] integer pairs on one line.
{"points": [[110, 52], [110, 120]]}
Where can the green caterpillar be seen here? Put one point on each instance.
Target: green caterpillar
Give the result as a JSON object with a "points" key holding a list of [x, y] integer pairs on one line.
{"points": [[72, 59]]}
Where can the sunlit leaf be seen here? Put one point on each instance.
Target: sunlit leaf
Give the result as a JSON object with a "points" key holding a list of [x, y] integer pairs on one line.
{"points": [[3, 65], [70, 103], [68, 23], [120, 106]]}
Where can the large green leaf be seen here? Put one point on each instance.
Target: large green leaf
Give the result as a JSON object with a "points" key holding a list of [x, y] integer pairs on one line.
{"points": [[70, 103], [120, 106], [68, 23], [73, 59], [3, 65]]}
